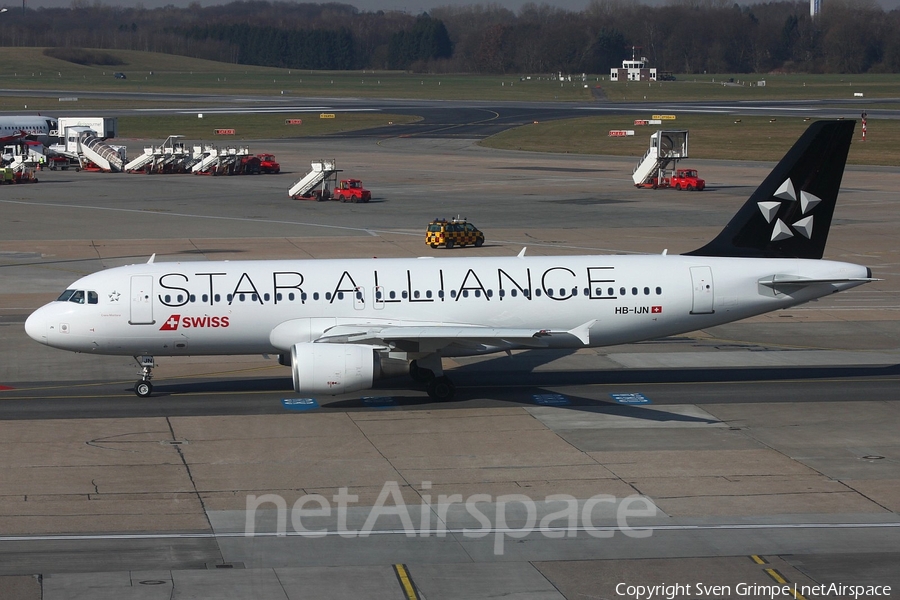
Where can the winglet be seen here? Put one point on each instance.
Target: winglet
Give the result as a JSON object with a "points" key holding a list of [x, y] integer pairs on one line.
{"points": [[583, 332], [152, 259]]}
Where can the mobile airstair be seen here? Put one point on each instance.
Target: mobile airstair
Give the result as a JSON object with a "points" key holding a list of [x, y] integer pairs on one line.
{"points": [[321, 172], [141, 162], [170, 157], [209, 158], [666, 147], [109, 159]]}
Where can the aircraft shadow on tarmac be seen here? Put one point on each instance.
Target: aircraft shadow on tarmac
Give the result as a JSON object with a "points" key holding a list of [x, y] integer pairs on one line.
{"points": [[167, 399], [517, 382]]}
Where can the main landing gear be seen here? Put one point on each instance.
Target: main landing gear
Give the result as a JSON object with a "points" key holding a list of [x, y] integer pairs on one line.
{"points": [[144, 388], [428, 370]]}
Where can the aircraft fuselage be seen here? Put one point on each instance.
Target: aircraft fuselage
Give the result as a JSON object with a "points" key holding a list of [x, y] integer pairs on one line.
{"points": [[184, 308]]}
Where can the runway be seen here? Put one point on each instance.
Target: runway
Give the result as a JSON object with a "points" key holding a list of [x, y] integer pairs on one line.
{"points": [[458, 119], [760, 450]]}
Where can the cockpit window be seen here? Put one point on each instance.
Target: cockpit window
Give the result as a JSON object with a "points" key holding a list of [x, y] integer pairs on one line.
{"points": [[78, 297]]}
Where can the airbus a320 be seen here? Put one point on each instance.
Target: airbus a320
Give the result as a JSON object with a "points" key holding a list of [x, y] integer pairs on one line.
{"points": [[342, 324]]}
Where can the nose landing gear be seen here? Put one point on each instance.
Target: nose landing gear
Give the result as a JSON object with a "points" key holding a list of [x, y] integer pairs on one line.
{"points": [[144, 388]]}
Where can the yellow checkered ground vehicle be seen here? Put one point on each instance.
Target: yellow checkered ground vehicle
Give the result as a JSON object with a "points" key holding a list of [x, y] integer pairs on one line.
{"points": [[456, 232]]}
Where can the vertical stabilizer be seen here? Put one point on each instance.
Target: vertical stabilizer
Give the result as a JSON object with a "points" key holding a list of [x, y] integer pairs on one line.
{"points": [[789, 214]]}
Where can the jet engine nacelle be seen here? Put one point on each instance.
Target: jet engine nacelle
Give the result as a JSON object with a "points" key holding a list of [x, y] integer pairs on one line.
{"points": [[339, 368]]}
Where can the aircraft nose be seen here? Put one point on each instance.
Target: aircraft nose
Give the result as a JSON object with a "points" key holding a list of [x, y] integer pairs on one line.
{"points": [[36, 326]]}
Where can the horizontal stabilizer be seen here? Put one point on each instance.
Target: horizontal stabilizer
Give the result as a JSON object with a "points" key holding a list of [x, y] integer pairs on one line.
{"points": [[790, 281]]}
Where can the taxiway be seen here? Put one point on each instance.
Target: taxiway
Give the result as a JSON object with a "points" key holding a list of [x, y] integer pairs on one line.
{"points": [[766, 448]]}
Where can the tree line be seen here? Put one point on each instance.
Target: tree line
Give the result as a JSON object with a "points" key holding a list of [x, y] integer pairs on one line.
{"points": [[684, 36]]}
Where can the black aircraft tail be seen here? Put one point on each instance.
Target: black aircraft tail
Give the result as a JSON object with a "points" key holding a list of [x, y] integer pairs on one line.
{"points": [[789, 215]]}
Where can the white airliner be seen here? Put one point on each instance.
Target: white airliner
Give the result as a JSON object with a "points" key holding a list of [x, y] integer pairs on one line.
{"points": [[341, 324], [17, 127]]}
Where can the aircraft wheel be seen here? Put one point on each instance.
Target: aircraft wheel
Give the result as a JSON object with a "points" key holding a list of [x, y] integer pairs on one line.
{"points": [[143, 389], [418, 374], [441, 388]]}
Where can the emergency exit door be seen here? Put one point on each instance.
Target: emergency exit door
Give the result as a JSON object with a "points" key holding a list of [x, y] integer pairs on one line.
{"points": [[141, 300], [702, 281]]}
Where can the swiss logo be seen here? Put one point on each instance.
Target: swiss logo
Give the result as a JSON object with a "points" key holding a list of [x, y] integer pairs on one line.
{"points": [[176, 321], [171, 323]]}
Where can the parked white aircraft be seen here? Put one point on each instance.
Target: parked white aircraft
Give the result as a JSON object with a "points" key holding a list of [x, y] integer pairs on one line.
{"points": [[17, 127], [341, 324]]}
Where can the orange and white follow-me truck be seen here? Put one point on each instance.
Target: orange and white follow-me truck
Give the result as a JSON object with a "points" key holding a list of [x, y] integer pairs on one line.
{"points": [[680, 179]]}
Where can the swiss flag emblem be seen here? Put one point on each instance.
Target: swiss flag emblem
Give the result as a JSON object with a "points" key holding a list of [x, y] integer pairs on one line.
{"points": [[171, 323], [655, 309]]}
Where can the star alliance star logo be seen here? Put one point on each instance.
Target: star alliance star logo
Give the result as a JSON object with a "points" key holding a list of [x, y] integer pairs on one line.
{"points": [[114, 296], [780, 230]]}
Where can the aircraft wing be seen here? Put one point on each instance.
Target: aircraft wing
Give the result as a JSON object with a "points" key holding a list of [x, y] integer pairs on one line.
{"points": [[430, 338]]}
